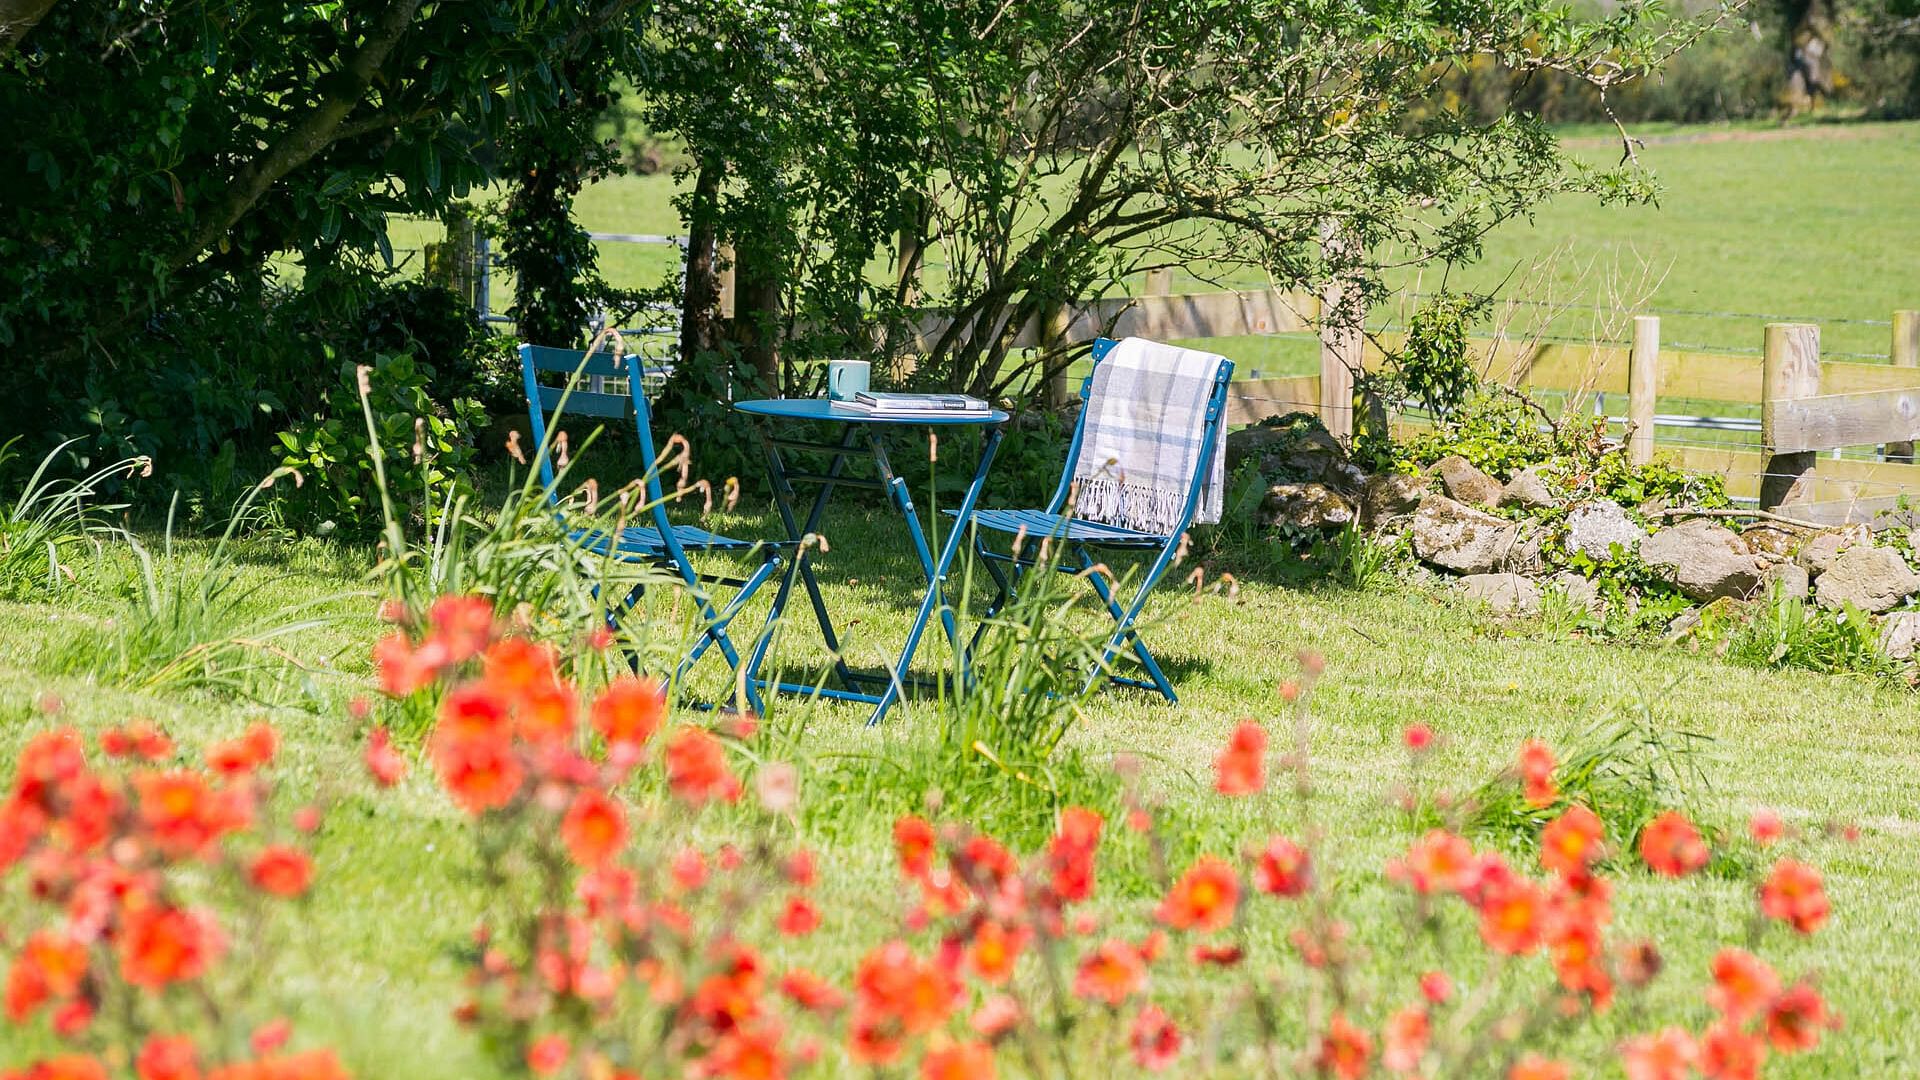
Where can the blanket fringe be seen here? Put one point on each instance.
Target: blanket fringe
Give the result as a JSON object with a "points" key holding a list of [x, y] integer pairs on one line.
{"points": [[1140, 507]]}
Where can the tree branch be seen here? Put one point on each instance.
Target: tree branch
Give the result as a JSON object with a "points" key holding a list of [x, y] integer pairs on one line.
{"points": [[17, 20], [306, 138]]}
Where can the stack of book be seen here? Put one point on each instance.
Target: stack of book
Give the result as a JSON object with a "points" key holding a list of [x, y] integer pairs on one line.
{"points": [[914, 405]]}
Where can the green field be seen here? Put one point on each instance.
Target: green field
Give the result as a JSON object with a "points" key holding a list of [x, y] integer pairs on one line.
{"points": [[374, 969], [1812, 224]]}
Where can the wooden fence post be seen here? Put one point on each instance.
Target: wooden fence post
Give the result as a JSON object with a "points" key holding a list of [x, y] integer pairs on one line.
{"points": [[1643, 382], [1340, 328], [1790, 368], [1905, 353], [1159, 282]]}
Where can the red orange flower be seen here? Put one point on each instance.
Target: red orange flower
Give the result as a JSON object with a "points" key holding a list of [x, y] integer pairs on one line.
{"points": [[892, 983], [1437, 862], [798, 918], [1795, 1019], [1536, 773], [628, 713], [1344, 1050], [1572, 841], [160, 945], [513, 666], [1406, 1036], [995, 949], [462, 625], [1574, 946], [697, 768], [1667, 1055], [1513, 917], [748, 1053], [1204, 898], [962, 1061], [1282, 868], [811, 992], [383, 761], [1743, 984], [1765, 827], [1670, 845], [139, 738], [181, 811], [403, 669], [250, 751], [167, 1058], [1070, 854], [1793, 894], [481, 773], [474, 711], [1728, 1053], [1534, 1067], [548, 1055], [1111, 973], [1153, 1038], [50, 966], [913, 842], [282, 871], [544, 713], [1241, 769], [594, 828]]}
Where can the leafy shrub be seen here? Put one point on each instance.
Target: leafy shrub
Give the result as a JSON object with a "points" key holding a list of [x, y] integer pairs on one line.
{"points": [[437, 327], [1499, 432], [332, 457], [211, 387], [1434, 364]]}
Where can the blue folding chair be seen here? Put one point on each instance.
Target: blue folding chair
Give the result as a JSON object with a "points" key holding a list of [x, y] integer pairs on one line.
{"points": [[663, 543], [1080, 538]]}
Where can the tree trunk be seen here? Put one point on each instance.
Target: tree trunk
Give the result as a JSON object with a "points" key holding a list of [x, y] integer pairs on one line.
{"points": [[702, 288], [1809, 54], [916, 216], [756, 317], [17, 19]]}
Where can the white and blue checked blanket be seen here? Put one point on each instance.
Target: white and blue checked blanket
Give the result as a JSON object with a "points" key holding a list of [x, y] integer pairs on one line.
{"points": [[1146, 419]]}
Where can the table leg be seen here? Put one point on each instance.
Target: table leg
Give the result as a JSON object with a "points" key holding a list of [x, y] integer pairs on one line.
{"points": [[783, 501], [936, 571]]}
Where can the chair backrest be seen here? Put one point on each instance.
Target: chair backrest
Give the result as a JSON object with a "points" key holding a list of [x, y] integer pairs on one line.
{"points": [[579, 398], [1215, 422]]}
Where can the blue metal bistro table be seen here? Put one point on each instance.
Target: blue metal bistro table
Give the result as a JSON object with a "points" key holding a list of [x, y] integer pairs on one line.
{"points": [[858, 428]]}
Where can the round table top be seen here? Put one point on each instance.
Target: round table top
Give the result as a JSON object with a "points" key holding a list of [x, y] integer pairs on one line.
{"points": [[823, 409]]}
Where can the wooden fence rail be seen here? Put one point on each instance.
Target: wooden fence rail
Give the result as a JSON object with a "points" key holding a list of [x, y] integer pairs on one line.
{"points": [[1806, 405]]}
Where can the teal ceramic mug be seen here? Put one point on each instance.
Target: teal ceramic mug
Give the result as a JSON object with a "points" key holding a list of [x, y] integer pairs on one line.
{"points": [[846, 378]]}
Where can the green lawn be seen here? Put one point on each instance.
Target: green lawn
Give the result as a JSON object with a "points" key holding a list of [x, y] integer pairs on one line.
{"points": [[373, 966]]}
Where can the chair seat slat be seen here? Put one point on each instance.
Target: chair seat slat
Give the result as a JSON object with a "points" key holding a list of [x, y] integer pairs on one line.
{"points": [[1039, 524]]}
